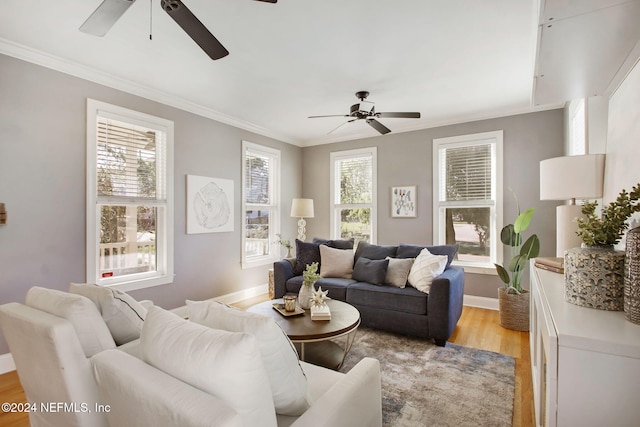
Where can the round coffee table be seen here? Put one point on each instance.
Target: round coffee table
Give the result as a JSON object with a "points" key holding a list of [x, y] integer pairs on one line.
{"points": [[312, 338]]}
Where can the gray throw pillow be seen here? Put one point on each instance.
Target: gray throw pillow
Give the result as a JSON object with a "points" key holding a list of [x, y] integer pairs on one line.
{"points": [[412, 251], [367, 250], [336, 244], [370, 271], [306, 254], [398, 271]]}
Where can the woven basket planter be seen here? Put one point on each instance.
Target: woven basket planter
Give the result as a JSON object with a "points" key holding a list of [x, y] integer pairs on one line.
{"points": [[514, 310]]}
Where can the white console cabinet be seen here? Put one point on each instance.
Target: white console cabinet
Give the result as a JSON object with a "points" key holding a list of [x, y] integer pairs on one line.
{"points": [[585, 363]]}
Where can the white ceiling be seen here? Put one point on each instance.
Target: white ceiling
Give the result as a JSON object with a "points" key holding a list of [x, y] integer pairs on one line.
{"points": [[453, 61]]}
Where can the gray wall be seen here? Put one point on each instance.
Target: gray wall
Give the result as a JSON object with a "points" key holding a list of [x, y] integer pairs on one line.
{"points": [[42, 183], [406, 159]]}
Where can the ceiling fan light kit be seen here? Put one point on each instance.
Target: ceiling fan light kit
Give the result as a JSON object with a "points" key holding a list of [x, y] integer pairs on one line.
{"points": [[109, 11], [366, 110]]}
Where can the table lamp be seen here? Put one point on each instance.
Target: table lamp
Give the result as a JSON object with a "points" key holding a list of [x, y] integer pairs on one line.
{"points": [[302, 208], [570, 178]]}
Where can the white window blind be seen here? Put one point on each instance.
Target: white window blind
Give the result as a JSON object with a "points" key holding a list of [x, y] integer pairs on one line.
{"points": [[355, 179], [257, 189], [465, 173], [128, 164]]}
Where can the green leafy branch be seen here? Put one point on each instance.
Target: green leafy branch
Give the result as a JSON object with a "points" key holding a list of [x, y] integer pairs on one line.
{"points": [[608, 229]]}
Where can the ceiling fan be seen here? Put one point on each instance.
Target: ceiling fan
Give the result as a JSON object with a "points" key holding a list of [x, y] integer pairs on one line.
{"points": [[109, 11], [366, 110]]}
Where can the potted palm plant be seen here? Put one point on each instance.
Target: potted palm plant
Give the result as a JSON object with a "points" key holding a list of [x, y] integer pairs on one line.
{"points": [[594, 273], [513, 300]]}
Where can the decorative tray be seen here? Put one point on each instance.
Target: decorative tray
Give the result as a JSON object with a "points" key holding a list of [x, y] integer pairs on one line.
{"points": [[280, 309]]}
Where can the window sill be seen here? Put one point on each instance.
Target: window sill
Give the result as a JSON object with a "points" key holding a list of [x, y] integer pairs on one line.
{"points": [[488, 269], [141, 284], [259, 262]]}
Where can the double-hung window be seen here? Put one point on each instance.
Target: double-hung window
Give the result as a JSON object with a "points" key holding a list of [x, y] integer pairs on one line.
{"points": [[467, 206], [261, 204], [129, 197], [353, 194]]}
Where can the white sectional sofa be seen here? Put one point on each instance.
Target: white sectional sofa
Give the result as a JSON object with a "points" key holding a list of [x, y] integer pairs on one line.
{"points": [[65, 353]]}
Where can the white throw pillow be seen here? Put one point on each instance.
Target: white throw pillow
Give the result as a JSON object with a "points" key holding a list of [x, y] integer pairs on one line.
{"points": [[425, 268], [224, 364], [336, 262], [280, 358], [80, 311], [123, 315], [398, 271]]}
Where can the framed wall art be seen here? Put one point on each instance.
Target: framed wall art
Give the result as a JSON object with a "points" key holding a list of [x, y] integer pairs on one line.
{"points": [[209, 205], [403, 202]]}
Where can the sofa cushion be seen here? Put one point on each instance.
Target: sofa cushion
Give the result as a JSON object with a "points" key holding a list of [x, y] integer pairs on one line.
{"points": [[306, 254], [367, 250], [337, 287], [336, 262], [224, 364], [425, 268], [370, 271], [398, 271], [93, 334], [412, 251], [279, 356], [123, 315], [337, 244], [407, 300]]}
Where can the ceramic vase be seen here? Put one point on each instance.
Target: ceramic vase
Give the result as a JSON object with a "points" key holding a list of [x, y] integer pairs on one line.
{"points": [[594, 277], [632, 276], [305, 295], [514, 310]]}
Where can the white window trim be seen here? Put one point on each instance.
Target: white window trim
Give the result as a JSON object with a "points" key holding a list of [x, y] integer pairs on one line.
{"points": [[496, 220], [340, 155], [274, 229], [165, 274]]}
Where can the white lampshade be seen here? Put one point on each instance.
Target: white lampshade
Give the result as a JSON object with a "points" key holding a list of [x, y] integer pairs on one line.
{"points": [[572, 177], [302, 208]]}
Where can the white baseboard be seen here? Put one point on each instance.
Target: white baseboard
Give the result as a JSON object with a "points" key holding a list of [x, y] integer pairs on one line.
{"points": [[6, 363], [481, 302]]}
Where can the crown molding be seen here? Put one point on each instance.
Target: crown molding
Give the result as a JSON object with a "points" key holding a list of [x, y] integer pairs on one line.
{"points": [[75, 69]]}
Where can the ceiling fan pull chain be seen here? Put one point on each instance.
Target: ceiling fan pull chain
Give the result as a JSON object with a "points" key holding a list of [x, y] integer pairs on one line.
{"points": [[150, 19]]}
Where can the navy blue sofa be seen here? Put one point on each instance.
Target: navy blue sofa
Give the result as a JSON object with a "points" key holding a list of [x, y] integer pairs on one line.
{"points": [[405, 310]]}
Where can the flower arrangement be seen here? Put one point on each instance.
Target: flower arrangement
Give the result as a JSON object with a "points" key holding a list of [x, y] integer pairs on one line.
{"points": [[310, 274], [608, 229], [285, 243]]}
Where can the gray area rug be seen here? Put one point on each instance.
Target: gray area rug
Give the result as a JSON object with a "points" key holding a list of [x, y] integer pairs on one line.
{"points": [[427, 385]]}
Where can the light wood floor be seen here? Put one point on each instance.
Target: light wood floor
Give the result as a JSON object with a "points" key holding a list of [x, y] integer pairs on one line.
{"points": [[477, 328]]}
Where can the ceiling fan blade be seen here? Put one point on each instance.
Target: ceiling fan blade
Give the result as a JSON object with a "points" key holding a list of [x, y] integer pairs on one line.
{"points": [[399, 115], [339, 127], [378, 126], [331, 115], [105, 15], [194, 28], [269, 1]]}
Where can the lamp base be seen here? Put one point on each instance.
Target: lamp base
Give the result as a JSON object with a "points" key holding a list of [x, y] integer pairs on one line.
{"points": [[302, 230], [566, 228]]}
